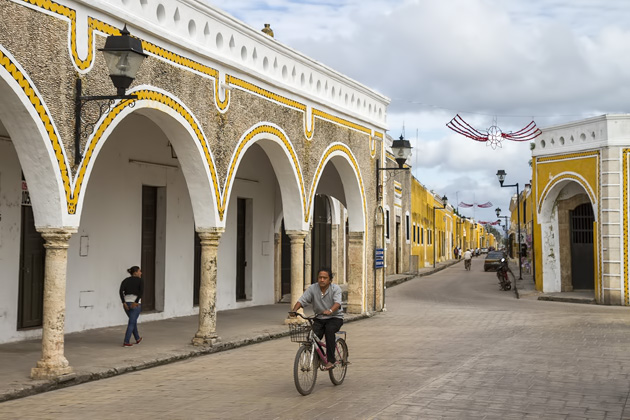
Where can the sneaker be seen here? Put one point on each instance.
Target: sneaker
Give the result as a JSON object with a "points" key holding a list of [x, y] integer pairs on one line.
{"points": [[127, 344], [139, 340]]}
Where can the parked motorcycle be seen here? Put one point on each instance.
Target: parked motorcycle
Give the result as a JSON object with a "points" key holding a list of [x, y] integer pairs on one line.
{"points": [[502, 275]]}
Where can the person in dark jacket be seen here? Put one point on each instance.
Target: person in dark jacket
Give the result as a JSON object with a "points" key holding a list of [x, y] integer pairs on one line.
{"points": [[131, 290]]}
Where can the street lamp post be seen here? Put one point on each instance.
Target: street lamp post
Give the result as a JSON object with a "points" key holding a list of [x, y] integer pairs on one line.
{"points": [[401, 149], [444, 202], [501, 175], [498, 212]]}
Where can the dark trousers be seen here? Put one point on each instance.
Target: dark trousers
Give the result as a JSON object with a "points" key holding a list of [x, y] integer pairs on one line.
{"points": [[328, 327]]}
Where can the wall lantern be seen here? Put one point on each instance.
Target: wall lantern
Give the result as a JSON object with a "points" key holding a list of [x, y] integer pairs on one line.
{"points": [[401, 149], [123, 55]]}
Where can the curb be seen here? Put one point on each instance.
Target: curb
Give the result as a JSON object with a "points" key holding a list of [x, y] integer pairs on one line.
{"points": [[396, 282], [78, 378], [567, 300]]}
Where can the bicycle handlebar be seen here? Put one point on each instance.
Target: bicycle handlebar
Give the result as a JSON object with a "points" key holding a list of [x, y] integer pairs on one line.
{"points": [[308, 318]]}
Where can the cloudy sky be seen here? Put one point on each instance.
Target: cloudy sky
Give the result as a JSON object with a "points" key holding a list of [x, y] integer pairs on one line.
{"points": [[552, 61]]}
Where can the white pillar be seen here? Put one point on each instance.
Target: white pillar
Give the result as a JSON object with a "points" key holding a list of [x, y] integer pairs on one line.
{"points": [[207, 332], [297, 265], [355, 272], [53, 362]]}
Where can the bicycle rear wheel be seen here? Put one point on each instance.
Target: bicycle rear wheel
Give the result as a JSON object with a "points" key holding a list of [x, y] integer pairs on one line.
{"points": [[305, 371], [338, 373]]}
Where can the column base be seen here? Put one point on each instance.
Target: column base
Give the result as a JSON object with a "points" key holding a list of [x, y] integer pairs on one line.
{"points": [[205, 341], [354, 309], [42, 371]]}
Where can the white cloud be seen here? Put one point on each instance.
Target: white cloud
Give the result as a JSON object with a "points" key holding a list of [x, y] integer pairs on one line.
{"points": [[553, 60]]}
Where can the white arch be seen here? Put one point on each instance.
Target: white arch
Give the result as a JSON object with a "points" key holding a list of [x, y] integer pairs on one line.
{"points": [[549, 228], [176, 124], [22, 109], [281, 153], [341, 157]]}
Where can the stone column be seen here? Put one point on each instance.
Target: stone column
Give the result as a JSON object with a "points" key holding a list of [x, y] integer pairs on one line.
{"points": [[207, 333], [53, 362], [334, 252], [308, 259], [355, 272], [277, 267], [297, 267]]}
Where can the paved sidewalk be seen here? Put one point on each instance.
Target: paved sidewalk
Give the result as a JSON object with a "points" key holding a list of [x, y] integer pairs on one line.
{"points": [[98, 353]]}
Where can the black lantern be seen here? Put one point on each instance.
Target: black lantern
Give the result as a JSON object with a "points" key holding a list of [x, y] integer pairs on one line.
{"points": [[123, 55], [402, 151], [498, 211], [501, 175]]}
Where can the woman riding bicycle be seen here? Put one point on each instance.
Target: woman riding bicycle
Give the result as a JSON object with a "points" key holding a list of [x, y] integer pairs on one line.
{"points": [[326, 300]]}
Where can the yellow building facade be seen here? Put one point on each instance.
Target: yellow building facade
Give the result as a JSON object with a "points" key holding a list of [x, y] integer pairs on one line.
{"points": [[580, 214]]}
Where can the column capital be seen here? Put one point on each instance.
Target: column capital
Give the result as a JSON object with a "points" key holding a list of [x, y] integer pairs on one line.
{"points": [[355, 236], [209, 235], [57, 237], [297, 235]]}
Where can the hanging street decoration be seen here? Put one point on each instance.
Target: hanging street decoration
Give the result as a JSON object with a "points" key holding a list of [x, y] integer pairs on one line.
{"points": [[493, 136], [483, 206], [490, 223]]}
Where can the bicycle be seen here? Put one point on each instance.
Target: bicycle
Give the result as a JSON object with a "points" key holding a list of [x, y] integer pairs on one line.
{"points": [[467, 264], [308, 362]]}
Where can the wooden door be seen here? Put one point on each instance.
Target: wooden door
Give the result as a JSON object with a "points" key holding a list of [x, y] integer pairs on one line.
{"points": [[582, 261], [241, 261], [149, 238], [32, 261]]}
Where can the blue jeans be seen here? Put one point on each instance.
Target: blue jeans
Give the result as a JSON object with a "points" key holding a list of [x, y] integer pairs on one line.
{"points": [[132, 325]]}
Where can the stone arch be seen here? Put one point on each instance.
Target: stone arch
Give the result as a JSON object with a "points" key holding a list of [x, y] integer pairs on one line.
{"points": [[349, 190], [37, 143], [561, 195], [353, 198], [188, 140], [283, 157]]}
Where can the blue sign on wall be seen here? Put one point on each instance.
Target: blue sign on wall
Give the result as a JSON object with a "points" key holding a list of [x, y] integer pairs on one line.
{"points": [[379, 258]]}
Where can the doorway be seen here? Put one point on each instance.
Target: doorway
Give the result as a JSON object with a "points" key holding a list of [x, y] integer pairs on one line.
{"points": [[241, 249], [32, 261], [285, 273], [322, 235], [582, 260], [148, 247]]}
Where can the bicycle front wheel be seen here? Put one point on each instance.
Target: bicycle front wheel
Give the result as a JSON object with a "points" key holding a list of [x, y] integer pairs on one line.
{"points": [[305, 370], [338, 373]]}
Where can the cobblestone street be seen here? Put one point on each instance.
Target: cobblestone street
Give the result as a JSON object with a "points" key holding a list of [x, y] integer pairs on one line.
{"points": [[451, 345]]}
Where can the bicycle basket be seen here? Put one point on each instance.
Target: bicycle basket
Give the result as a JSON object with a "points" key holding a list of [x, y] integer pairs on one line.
{"points": [[299, 332]]}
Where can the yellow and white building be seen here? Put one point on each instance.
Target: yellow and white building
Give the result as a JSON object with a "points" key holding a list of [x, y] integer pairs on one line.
{"points": [[580, 202]]}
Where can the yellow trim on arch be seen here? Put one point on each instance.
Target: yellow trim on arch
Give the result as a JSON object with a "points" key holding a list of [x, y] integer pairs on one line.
{"points": [[335, 148], [46, 120], [150, 95], [563, 177], [262, 129], [97, 25]]}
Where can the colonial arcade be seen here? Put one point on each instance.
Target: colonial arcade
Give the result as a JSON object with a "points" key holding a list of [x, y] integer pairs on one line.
{"points": [[238, 155]]}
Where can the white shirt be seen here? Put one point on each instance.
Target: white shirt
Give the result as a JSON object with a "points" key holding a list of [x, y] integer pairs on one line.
{"points": [[467, 255]]}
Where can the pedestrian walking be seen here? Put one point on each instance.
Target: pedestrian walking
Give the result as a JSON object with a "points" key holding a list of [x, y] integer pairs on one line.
{"points": [[455, 252], [131, 290]]}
